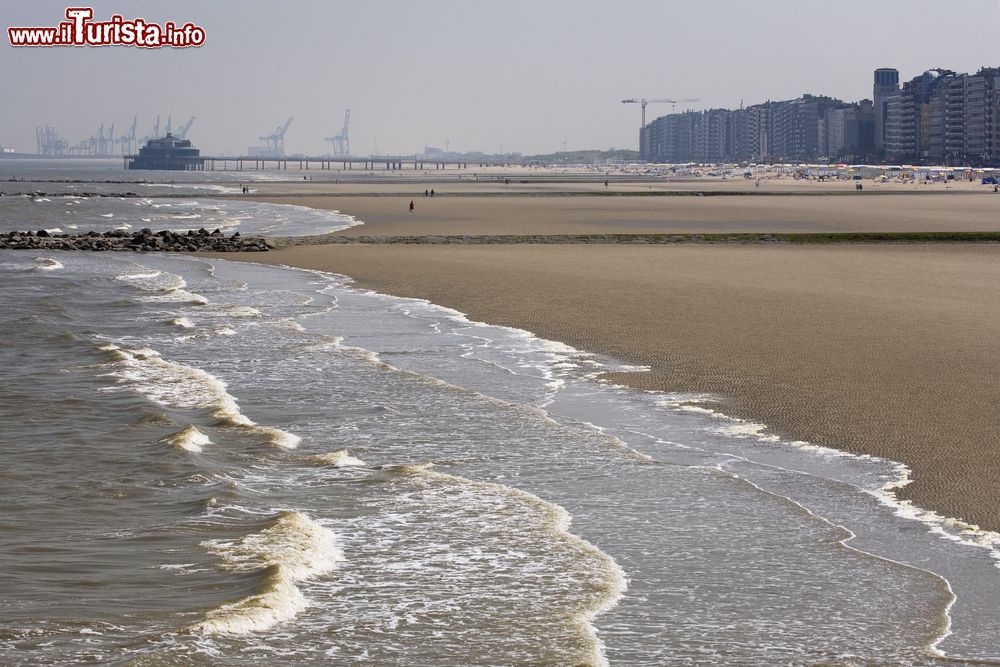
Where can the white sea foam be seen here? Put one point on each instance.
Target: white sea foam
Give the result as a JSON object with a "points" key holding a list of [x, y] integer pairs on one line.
{"points": [[189, 439], [291, 550], [609, 578], [239, 311], [107, 215], [54, 230], [162, 288], [175, 385], [47, 264], [182, 322], [338, 459], [175, 296]]}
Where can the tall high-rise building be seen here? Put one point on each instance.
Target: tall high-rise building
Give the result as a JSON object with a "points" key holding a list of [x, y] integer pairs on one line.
{"points": [[982, 108], [886, 86]]}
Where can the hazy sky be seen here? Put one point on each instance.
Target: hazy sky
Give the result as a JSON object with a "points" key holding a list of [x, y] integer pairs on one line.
{"points": [[524, 75]]}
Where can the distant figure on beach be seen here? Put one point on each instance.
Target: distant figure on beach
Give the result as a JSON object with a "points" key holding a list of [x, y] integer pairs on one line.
{"points": [[432, 192], [427, 193], [605, 183], [411, 206]]}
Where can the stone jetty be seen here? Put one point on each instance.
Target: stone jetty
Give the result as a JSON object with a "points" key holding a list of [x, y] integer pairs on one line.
{"points": [[201, 240]]}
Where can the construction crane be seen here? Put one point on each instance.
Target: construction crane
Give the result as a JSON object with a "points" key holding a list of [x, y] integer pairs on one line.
{"points": [[341, 142], [167, 131], [182, 133], [276, 141], [642, 101]]}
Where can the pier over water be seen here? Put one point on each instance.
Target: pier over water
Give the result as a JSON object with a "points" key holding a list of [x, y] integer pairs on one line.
{"points": [[328, 163]]}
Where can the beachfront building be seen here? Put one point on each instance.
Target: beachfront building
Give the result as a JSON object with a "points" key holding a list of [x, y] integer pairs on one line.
{"points": [[915, 118], [939, 117], [981, 117], [886, 86], [790, 129], [848, 131]]}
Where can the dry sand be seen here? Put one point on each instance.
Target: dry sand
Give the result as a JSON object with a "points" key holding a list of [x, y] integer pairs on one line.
{"points": [[888, 350]]}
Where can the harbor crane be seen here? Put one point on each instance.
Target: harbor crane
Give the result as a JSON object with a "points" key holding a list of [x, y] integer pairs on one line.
{"points": [[182, 133], [156, 131], [642, 101], [341, 142], [127, 140], [169, 129], [97, 145], [276, 141], [49, 141]]}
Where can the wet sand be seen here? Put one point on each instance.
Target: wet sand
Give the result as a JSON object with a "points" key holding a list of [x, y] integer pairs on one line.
{"points": [[554, 214], [887, 350]]}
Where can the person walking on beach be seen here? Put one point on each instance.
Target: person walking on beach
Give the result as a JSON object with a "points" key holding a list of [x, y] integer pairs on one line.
{"points": [[411, 206], [432, 192], [427, 192]]}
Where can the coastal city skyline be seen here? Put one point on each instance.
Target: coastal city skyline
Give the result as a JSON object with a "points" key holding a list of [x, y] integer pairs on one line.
{"points": [[505, 79], [937, 117]]}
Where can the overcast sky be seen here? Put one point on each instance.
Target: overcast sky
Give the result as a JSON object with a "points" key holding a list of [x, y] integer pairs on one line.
{"points": [[521, 75]]}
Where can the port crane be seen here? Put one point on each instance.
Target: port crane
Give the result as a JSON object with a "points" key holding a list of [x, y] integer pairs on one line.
{"points": [[642, 102], [182, 133], [49, 141], [341, 142], [169, 129], [156, 131], [127, 140], [276, 141]]}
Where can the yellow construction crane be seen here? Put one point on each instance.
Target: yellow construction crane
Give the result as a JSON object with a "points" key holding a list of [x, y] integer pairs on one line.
{"points": [[643, 102]]}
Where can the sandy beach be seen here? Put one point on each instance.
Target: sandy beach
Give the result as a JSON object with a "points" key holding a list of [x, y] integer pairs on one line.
{"points": [[479, 211], [887, 350]]}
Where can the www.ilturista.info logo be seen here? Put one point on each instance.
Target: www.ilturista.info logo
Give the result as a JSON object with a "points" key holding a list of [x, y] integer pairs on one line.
{"points": [[79, 30]]}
